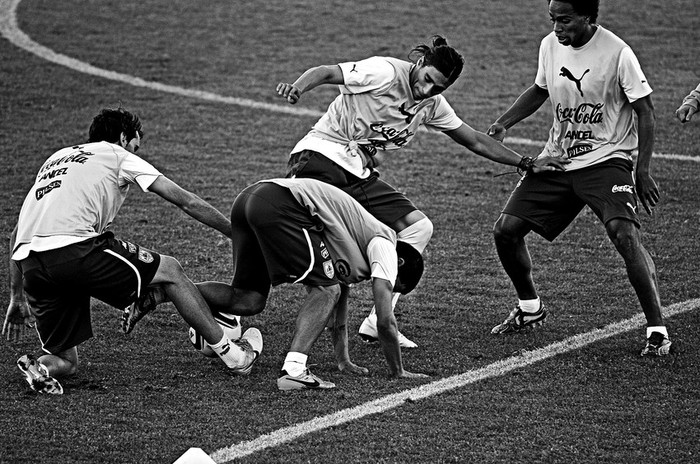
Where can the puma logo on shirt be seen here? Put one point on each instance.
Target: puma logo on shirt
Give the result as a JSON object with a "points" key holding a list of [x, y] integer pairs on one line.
{"points": [[566, 73]]}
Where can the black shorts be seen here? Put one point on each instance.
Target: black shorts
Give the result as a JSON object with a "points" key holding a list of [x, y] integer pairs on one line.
{"points": [[551, 201], [59, 284], [276, 240], [379, 198]]}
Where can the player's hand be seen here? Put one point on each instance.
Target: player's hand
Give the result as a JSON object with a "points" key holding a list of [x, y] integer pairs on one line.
{"points": [[548, 163], [289, 91], [19, 321], [685, 113], [497, 131], [352, 368], [647, 192]]}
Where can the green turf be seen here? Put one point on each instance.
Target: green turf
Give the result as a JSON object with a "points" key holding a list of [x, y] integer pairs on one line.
{"points": [[148, 397]]}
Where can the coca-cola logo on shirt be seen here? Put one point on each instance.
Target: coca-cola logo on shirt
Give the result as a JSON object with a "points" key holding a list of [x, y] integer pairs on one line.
{"points": [[585, 113]]}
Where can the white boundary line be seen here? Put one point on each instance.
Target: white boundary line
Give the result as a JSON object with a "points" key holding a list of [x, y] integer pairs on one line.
{"points": [[499, 368], [11, 31]]}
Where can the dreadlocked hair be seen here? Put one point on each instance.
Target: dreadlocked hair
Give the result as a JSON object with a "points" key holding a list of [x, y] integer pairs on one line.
{"points": [[443, 57]]}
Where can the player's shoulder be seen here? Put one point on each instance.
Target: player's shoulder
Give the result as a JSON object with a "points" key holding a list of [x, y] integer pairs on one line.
{"points": [[610, 38]]}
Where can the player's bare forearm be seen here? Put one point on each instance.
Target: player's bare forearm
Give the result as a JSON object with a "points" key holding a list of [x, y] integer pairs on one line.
{"points": [[647, 190], [191, 204], [646, 126], [490, 148], [18, 318], [339, 335], [310, 79], [387, 328], [525, 105], [210, 216]]}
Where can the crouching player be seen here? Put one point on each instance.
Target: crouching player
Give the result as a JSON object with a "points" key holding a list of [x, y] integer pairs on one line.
{"points": [[62, 253], [309, 232]]}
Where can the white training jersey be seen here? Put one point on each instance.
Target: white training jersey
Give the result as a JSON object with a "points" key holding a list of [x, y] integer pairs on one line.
{"points": [[375, 109], [361, 247], [591, 89], [77, 194]]}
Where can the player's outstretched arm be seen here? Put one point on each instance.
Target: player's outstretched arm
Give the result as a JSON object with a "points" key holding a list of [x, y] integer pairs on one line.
{"points": [[339, 334], [310, 79], [387, 329], [488, 147], [527, 103], [191, 204], [18, 320]]}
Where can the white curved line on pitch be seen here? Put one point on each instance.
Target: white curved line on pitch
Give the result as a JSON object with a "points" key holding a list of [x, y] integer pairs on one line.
{"points": [[11, 31], [499, 368]]}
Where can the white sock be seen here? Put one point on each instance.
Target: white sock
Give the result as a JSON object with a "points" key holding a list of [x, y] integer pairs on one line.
{"points": [[417, 234], [230, 353], [295, 363], [657, 328], [530, 306]]}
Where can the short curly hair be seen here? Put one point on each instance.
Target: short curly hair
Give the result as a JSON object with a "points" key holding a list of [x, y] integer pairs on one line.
{"points": [[584, 8], [109, 124]]}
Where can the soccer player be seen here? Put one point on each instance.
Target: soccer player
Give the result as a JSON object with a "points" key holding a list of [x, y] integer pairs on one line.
{"points": [[689, 107], [383, 102], [596, 87], [62, 253], [309, 232]]}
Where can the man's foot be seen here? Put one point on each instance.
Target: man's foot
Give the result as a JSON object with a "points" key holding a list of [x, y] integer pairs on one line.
{"points": [[368, 333], [519, 321], [139, 308], [657, 345], [252, 344], [305, 381], [38, 376]]}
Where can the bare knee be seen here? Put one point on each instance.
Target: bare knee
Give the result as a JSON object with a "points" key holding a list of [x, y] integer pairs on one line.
{"points": [[625, 236], [169, 271], [247, 302], [502, 232]]}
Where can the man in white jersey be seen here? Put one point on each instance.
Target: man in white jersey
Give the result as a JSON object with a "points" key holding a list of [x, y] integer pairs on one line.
{"points": [[306, 231], [689, 106], [383, 102], [63, 253], [596, 87]]}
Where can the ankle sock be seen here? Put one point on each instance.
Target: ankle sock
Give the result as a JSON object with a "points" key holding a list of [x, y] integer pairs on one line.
{"points": [[529, 306], [230, 353], [657, 328], [295, 363]]}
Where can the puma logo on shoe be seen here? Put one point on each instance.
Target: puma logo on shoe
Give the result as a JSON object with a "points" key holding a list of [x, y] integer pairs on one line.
{"points": [[566, 73]]}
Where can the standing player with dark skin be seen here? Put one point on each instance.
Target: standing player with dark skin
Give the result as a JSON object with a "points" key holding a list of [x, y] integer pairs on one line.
{"points": [[62, 254], [383, 102], [596, 87]]}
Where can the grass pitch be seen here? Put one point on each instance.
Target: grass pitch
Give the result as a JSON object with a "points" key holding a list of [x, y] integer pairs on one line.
{"points": [[148, 397]]}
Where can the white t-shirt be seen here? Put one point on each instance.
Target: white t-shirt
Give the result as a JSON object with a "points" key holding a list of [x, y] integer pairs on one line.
{"points": [[375, 109], [77, 194], [591, 89], [361, 247]]}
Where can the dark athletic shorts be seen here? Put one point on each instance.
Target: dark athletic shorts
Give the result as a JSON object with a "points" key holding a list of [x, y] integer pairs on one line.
{"points": [[276, 241], [59, 283], [379, 198], [551, 201]]}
